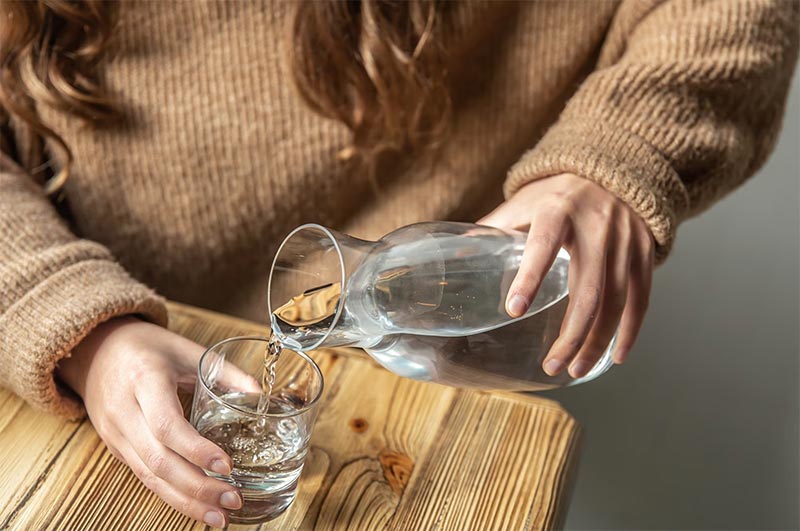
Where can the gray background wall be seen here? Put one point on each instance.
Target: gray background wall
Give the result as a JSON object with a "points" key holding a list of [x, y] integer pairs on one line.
{"points": [[700, 428]]}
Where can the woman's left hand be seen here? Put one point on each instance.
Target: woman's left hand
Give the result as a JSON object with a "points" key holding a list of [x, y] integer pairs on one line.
{"points": [[610, 273]]}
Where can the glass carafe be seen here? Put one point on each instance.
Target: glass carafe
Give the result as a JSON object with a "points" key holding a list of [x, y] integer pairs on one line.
{"points": [[426, 301]]}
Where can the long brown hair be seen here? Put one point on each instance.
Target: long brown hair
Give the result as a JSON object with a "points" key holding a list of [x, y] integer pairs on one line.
{"points": [[375, 65]]}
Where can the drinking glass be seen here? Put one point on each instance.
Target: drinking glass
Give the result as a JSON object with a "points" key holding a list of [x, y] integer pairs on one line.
{"points": [[268, 449]]}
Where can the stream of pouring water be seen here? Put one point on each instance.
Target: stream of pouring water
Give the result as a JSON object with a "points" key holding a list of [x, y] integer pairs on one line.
{"points": [[271, 355], [308, 308]]}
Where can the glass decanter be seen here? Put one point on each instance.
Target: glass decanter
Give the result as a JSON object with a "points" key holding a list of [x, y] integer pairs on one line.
{"points": [[426, 301]]}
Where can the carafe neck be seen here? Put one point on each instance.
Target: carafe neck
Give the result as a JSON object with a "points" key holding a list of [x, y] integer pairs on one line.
{"points": [[308, 287]]}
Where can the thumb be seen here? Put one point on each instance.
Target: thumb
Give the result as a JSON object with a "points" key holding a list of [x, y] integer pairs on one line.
{"points": [[498, 218], [509, 215]]}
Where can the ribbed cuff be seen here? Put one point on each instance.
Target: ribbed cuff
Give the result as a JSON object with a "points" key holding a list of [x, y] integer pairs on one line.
{"points": [[45, 325], [621, 162]]}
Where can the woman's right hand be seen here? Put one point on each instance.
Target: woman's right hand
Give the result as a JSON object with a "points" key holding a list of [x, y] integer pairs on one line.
{"points": [[127, 371]]}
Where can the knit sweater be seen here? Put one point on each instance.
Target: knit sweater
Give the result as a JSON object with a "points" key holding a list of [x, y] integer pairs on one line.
{"points": [[668, 105]]}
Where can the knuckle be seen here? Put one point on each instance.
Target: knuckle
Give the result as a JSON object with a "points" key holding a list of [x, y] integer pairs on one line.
{"points": [[196, 454], [561, 203], [198, 490], [543, 239], [604, 211], [157, 463], [149, 480], [589, 298], [204, 490], [184, 506], [140, 371], [162, 427], [572, 344]]}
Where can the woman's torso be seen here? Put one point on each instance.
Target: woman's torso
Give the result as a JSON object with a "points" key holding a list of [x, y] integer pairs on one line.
{"points": [[219, 158]]}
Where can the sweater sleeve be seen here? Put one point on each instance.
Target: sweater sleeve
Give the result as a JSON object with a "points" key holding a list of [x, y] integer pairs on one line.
{"points": [[54, 289], [684, 105]]}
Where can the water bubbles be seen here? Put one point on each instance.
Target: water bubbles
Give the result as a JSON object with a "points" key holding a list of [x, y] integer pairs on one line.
{"points": [[258, 444]]}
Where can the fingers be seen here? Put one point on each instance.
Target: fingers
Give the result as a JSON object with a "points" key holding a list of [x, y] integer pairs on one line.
{"points": [[640, 282], [226, 376], [587, 272], [172, 468], [610, 272], [615, 294], [191, 507], [545, 236], [509, 215], [235, 379], [164, 417], [181, 475]]}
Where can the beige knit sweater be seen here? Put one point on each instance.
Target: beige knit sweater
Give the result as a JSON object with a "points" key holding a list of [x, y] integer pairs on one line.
{"points": [[668, 105]]}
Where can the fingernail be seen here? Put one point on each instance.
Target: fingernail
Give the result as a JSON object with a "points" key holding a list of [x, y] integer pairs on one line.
{"points": [[580, 368], [230, 500], [214, 519], [553, 367], [220, 467], [517, 306], [620, 356]]}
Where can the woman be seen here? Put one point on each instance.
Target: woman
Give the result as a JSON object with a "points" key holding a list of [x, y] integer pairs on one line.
{"points": [[179, 152]]}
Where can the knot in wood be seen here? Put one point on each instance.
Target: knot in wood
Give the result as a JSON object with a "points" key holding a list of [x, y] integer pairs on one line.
{"points": [[359, 425], [397, 469]]}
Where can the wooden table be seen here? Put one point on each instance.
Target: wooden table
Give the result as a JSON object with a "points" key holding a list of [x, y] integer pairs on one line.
{"points": [[386, 452]]}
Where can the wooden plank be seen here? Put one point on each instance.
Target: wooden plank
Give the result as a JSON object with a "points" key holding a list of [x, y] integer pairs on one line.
{"points": [[386, 453], [30, 446]]}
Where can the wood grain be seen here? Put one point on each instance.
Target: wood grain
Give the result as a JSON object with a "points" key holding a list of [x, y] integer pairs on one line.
{"points": [[386, 453]]}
